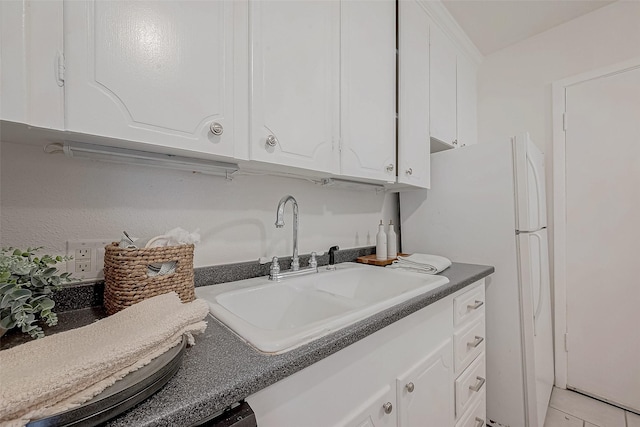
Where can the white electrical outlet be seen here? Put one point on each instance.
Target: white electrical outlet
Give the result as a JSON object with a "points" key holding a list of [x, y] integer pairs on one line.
{"points": [[88, 258]]}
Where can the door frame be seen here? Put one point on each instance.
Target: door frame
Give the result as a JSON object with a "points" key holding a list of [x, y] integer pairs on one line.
{"points": [[559, 275]]}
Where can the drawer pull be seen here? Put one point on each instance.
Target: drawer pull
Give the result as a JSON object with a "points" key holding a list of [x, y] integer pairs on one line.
{"points": [[410, 387], [479, 422], [475, 342], [478, 385], [476, 305]]}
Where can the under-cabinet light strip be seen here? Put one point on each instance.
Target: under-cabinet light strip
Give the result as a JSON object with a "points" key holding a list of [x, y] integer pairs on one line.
{"points": [[136, 157]]}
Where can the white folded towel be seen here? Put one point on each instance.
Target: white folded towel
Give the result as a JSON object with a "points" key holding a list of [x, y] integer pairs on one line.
{"points": [[61, 371], [423, 263]]}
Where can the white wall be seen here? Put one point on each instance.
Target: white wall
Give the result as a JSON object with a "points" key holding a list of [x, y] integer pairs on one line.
{"points": [[514, 84], [47, 199]]}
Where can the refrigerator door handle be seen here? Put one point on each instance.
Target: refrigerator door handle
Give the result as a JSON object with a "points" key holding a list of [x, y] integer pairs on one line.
{"points": [[541, 206], [538, 309]]}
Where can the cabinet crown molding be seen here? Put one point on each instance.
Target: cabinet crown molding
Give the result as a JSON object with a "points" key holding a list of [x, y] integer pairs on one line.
{"points": [[443, 18]]}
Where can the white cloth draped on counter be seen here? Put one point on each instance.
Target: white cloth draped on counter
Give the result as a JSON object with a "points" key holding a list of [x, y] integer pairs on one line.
{"points": [[61, 371], [423, 263]]}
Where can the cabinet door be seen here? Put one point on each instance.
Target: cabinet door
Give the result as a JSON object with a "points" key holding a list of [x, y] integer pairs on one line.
{"points": [[30, 50], [425, 392], [413, 95], [295, 83], [467, 101], [377, 411], [155, 72], [443, 86], [368, 89]]}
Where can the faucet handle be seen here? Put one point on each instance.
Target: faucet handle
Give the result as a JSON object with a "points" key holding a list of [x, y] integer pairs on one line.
{"points": [[274, 270], [313, 262]]}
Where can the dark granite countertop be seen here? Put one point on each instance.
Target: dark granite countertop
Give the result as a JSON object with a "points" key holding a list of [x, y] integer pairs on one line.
{"points": [[222, 369]]}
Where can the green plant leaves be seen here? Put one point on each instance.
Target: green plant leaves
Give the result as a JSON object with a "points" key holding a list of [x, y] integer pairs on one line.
{"points": [[26, 284], [7, 322], [21, 294], [45, 304]]}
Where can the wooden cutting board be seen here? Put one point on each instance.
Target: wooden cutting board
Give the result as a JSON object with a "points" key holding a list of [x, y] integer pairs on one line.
{"points": [[371, 260]]}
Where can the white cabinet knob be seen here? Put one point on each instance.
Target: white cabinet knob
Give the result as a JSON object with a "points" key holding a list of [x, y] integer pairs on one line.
{"points": [[388, 407], [216, 129], [272, 141]]}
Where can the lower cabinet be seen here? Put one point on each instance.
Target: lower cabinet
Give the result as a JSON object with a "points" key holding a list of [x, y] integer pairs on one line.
{"points": [[424, 392], [372, 413], [400, 376], [469, 358], [477, 415]]}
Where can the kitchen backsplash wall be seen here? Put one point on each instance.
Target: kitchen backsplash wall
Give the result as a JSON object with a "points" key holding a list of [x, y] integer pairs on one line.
{"points": [[47, 199]]}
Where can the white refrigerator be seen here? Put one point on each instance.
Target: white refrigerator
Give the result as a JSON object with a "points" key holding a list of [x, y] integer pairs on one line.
{"points": [[487, 206]]}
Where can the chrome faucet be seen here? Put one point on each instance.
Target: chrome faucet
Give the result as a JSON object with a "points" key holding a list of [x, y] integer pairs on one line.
{"points": [[274, 271], [295, 263]]}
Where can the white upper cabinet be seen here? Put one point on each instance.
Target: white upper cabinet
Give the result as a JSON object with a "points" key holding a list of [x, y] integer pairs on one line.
{"points": [[443, 95], [467, 98], [368, 89], [453, 94], [295, 87], [160, 73], [413, 95], [315, 87], [31, 54]]}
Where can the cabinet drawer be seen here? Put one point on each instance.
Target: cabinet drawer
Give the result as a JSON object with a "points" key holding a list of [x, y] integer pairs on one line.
{"points": [[468, 343], [465, 306], [470, 385], [476, 416]]}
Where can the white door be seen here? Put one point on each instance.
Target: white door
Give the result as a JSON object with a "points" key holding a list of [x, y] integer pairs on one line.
{"points": [[414, 145], [368, 89], [155, 72], [531, 204], [295, 67], [538, 332], [425, 393], [603, 237]]}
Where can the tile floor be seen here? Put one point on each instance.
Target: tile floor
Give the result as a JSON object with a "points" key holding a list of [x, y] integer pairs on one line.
{"points": [[569, 409]]}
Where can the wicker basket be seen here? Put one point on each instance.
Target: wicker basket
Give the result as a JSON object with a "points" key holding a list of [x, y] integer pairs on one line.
{"points": [[127, 281]]}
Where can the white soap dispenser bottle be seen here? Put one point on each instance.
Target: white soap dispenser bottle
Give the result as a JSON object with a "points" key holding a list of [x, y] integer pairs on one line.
{"points": [[392, 242], [381, 243]]}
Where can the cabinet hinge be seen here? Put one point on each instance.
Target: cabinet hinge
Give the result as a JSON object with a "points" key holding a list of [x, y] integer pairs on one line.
{"points": [[566, 343], [564, 121], [60, 68]]}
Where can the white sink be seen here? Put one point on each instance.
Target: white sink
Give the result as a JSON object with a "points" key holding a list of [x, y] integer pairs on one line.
{"points": [[276, 317]]}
